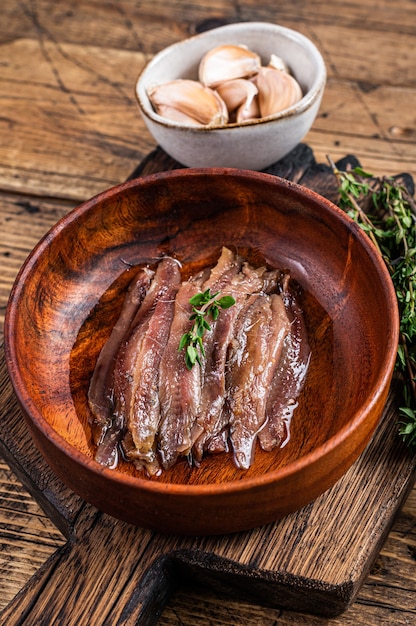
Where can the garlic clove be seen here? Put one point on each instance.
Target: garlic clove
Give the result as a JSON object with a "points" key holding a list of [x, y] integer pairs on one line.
{"points": [[247, 112], [189, 102], [278, 63], [227, 63], [277, 90], [238, 94], [174, 115]]}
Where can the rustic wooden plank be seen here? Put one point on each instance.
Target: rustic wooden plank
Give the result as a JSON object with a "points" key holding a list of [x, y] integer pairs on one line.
{"points": [[385, 143], [28, 537], [23, 221], [165, 22], [93, 573], [371, 82], [145, 26], [68, 108], [18, 450], [371, 15], [314, 560], [386, 597], [78, 120], [373, 59], [269, 554], [107, 139], [372, 55], [190, 607]]}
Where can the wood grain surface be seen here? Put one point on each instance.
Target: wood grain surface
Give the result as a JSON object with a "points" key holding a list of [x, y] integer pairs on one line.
{"points": [[69, 128], [314, 560]]}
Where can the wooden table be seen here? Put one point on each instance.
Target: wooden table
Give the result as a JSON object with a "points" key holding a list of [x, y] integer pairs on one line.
{"points": [[70, 128]]}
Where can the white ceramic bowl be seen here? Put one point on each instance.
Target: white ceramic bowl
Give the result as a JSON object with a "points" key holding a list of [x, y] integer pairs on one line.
{"points": [[249, 145]]}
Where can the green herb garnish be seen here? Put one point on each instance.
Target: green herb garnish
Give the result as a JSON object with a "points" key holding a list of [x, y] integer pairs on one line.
{"points": [[204, 305], [393, 231]]}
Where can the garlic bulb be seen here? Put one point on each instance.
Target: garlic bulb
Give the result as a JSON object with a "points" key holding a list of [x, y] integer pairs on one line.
{"points": [[277, 90], [240, 99], [188, 102], [227, 63]]}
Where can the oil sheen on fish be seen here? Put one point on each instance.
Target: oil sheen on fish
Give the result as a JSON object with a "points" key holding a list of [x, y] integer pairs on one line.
{"points": [[150, 405], [289, 376], [142, 355], [126, 378], [179, 387], [100, 392], [213, 419], [255, 352]]}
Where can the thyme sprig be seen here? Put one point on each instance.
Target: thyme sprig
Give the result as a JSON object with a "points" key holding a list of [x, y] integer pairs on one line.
{"points": [[204, 304], [392, 229]]}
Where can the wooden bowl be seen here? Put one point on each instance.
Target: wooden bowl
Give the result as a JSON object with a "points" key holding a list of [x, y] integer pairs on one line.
{"points": [[68, 294]]}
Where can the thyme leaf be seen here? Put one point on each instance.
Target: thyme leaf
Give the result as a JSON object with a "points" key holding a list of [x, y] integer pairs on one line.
{"points": [[204, 304], [392, 229]]}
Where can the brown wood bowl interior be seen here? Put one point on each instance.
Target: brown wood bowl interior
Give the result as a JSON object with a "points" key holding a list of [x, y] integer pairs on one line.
{"points": [[68, 295]]}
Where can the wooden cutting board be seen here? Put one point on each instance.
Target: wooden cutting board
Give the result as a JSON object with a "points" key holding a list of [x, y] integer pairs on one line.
{"points": [[312, 561]]}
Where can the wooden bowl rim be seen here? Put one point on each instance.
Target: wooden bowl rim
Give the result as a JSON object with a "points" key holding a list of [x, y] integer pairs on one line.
{"points": [[318, 454]]}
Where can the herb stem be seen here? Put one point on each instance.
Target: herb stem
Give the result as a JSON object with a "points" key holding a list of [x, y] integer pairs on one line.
{"points": [[353, 202], [393, 231], [205, 304]]}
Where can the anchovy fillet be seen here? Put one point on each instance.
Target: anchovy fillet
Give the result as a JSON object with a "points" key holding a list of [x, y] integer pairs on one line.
{"points": [[289, 376], [137, 381], [100, 392], [179, 387], [261, 329]]}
